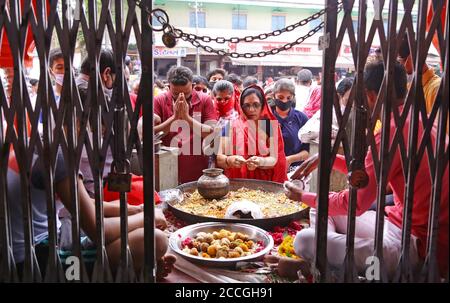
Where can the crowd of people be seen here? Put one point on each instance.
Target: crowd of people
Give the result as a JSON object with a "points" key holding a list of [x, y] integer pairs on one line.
{"points": [[251, 130]]}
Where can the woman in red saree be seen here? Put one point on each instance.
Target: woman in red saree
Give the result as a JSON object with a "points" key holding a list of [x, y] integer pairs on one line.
{"points": [[252, 146]]}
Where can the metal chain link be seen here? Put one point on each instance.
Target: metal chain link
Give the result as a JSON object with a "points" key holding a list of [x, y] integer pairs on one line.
{"points": [[221, 40], [261, 54], [194, 39]]}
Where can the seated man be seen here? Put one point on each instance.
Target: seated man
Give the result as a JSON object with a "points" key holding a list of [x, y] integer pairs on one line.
{"points": [[304, 243], [87, 219]]}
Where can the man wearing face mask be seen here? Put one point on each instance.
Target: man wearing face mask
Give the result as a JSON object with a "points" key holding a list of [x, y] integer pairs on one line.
{"points": [[56, 65], [214, 76], [291, 120], [107, 71], [187, 116], [56, 70], [107, 74]]}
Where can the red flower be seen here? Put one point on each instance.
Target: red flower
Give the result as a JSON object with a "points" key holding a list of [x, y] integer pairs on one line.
{"points": [[278, 229], [295, 226], [187, 242], [277, 237]]}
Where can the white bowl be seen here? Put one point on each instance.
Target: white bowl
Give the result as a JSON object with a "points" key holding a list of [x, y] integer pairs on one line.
{"points": [[254, 233]]}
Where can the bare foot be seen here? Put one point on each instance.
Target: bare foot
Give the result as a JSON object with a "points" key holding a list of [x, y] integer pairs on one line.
{"points": [[288, 267], [164, 266]]}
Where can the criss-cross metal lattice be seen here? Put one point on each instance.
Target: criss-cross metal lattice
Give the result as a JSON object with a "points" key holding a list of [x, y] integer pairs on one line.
{"points": [[97, 124], [73, 126], [405, 144], [194, 39]]}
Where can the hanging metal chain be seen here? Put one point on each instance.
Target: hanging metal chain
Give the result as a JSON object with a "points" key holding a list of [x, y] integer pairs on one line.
{"points": [[172, 33], [263, 36], [261, 54]]}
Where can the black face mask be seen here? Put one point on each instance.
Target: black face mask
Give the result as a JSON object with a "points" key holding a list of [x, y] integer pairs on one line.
{"points": [[284, 106], [211, 84]]}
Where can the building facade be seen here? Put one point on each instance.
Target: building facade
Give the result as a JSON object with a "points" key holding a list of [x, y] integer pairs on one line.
{"points": [[233, 18]]}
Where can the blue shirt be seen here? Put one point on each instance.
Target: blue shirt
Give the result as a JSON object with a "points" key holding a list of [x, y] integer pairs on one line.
{"points": [[289, 128], [39, 204]]}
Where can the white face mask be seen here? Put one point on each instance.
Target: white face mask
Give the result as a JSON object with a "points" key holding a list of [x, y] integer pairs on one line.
{"points": [[108, 92], [59, 78]]}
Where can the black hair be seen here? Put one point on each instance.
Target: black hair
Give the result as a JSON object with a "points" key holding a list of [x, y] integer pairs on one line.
{"points": [[250, 91], [179, 75], [344, 86], [106, 60], [33, 82], [249, 81], [403, 50], [54, 55], [374, 74], [233, 78], [223, 85], [127, 61], [159, 83], [85, 66], [199, 79], [215, 72]]}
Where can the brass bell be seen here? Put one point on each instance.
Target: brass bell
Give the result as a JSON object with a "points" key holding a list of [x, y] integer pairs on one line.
{"points": [[169, 40]]}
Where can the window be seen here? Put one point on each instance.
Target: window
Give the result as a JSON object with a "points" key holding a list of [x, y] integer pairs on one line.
{"points": [[355, 25], [239, 21], [278, 22], [314, 23], [386, 27], [201, 16]]}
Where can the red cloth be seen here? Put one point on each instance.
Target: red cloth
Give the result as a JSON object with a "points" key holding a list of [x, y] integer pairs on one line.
{"points": [[133, 100], [6, 58], [442, 23], [240, 129], [338, 202], [313, 105], [135, 196], [190, 165]]}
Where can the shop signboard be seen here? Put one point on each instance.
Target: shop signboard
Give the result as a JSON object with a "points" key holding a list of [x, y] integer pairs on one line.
{"points": [[162, 52]]}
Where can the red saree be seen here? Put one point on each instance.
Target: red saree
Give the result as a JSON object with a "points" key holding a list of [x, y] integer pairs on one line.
{"points": [[247, 143]]}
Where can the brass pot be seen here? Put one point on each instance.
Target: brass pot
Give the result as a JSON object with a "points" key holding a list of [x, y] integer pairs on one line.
{"points": [[213, 184]]}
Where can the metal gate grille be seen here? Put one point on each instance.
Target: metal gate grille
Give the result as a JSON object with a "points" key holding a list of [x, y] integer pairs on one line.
{"points": [[363, 126], [47, 21], [56, 20]]}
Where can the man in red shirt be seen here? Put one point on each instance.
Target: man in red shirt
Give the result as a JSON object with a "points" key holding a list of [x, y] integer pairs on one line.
{"points": [[187, 116], [365, 222]]}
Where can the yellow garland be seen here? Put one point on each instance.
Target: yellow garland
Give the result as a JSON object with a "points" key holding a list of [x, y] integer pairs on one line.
{"points": [[286, 248]]}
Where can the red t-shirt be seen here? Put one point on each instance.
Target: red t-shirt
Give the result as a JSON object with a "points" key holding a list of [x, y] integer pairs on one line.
{"points": [[201, 108], [339, 202]]}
